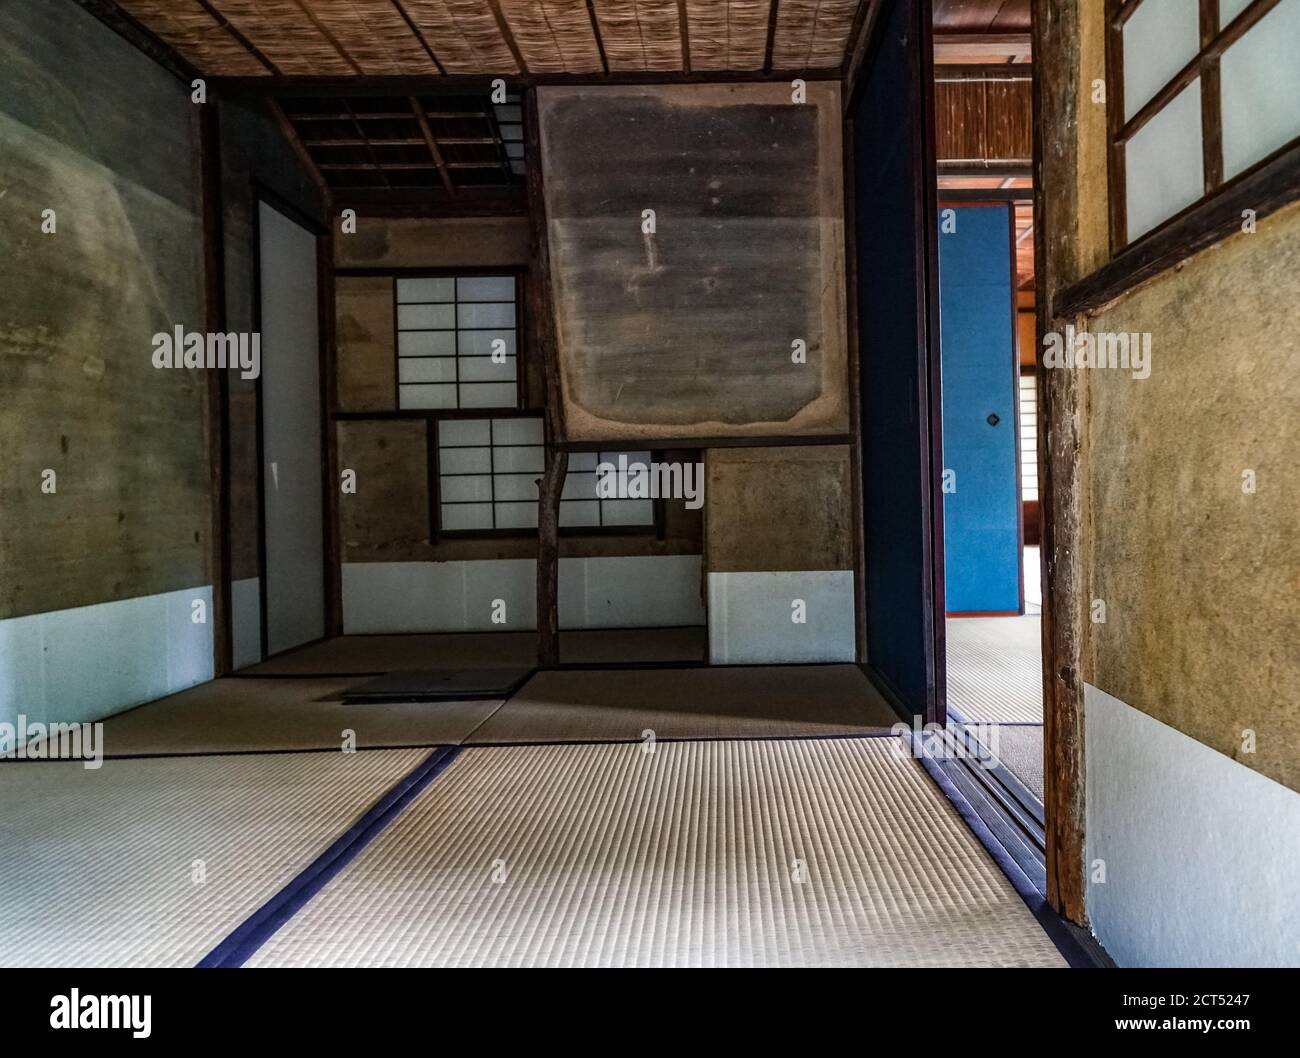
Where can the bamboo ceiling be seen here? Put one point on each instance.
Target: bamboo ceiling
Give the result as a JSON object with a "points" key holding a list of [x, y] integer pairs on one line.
{"points": [[341, 38]]}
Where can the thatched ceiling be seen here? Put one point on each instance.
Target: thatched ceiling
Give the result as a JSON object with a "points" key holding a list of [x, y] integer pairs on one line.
{"points": [[341, 38]]}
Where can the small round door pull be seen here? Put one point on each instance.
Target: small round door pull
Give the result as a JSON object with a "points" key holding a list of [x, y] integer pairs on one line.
{"points": [[993, 420]]}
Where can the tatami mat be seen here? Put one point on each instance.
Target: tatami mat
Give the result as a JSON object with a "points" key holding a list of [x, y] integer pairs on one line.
{"points": [[247, 715], [768, 853], [995, 672], [593, 705], [372, 655], [1020, 748], [153, 862]]}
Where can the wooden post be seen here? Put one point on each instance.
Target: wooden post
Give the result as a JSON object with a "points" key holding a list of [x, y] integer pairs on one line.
{"points": [[1057, 43], [541, 317], [218, 402], [327, 311], [548, 558]]}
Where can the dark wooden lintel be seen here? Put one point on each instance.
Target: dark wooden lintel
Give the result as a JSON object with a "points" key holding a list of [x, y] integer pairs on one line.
{"points": [[472, 84]]}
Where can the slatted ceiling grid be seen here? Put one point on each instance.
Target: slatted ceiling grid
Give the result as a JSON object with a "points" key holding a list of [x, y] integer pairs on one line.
{"points": [[640, 34], [192, 30], [811, 34], [375, 143], [554, 36], [339, 38], [463, 34]]}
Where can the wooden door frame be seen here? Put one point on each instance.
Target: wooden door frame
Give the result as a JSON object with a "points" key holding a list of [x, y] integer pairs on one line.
{"points": [[1056, 35]]}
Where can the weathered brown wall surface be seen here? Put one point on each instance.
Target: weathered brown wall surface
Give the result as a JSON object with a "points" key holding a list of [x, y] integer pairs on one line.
{"points": [[93, 130], [424, 242], [365, 336], [778, 509], [687, 331], [1201, 579]]}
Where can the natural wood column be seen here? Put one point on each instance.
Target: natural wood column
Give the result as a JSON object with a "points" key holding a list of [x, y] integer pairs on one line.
{"points": [[541, 336]]}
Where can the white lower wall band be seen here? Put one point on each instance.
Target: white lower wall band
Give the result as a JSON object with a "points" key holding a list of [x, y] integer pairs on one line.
{"points": [[620, 592], [82, 664], [1200, 852], [752, 617]]}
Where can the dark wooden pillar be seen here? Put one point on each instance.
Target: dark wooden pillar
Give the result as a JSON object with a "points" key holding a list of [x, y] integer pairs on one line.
{"points": [[218, 403], [541, 331]]}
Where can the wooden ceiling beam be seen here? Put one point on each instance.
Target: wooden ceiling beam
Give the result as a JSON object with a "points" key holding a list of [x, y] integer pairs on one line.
{"points": [[503, 27], [431, 142], [370, 151], [961, 46], [324, 31], [595, 32], [412, 141], [473, 84], [296, 145], [401, 10], [239, 36], [773, 11]]}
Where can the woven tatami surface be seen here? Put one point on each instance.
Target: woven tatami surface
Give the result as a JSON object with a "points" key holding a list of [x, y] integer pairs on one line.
{"points": [[995, 672], [773, 853], [153, 862]]}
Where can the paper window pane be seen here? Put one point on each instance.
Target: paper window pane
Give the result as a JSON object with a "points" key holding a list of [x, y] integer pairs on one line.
{"points": [[581, 486], [519, 459], [426, 369], [516, 515], [516, 487], [464, 517], [426, 289], [485, 369], [465, 460], [1163, 167], [485, 288], [628, 512], [475, 488], [465, 432], [488, 395], [426, 343], [425, 317], [579, 513], [1230, 9], [426, 396], [480, 343], [485, 315], [1160, 39], [1260, 84], [523, 430]]}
